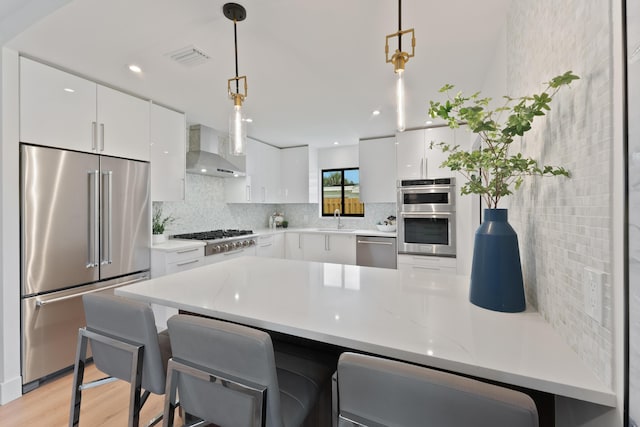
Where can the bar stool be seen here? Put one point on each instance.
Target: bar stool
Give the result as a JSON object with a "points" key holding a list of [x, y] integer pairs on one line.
{"points": [[125, 345], [229, 375], [377, 392]]}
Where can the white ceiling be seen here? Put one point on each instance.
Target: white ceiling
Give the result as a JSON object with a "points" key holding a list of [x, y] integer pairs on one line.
{"points": [[315, 69]]}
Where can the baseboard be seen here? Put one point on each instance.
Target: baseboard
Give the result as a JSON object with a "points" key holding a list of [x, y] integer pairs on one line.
{"points": [[10, 390]]}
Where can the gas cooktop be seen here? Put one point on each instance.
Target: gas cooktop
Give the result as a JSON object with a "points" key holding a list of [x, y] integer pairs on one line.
{"points": [[213, 234]]}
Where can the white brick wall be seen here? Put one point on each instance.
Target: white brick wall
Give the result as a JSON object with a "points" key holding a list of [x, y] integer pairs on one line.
{"points": [[565, 225]]}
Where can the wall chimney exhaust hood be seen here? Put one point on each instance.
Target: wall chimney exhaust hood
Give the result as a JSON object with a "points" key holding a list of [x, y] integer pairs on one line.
{"points": [[203, 156]]}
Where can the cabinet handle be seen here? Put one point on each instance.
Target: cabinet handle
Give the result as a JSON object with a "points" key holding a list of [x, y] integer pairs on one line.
{"points": [[433, 259], [193, 261], [101, 136], [371, 242], [421, 168], [299, 241], [233, 252], [248, 192], [327, 242], [94, 135], [426, 268], [266, 245], [186, 251]]}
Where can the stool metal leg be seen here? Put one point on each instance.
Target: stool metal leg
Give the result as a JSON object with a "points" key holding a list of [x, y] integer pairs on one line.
{"points": [[78, 376]]}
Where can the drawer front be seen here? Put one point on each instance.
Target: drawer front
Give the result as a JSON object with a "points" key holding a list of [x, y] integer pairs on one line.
{"points": [[434, 269], [187, 264], [428, 261], [184, 254]]}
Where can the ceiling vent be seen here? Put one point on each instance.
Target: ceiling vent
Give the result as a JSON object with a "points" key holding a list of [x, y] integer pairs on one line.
{"points": [[189, 56]]}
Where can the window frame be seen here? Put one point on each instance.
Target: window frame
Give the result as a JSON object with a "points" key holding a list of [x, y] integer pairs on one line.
{"points": [[342, 198]]}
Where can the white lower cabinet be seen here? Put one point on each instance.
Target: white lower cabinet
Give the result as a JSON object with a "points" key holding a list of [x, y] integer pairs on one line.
{"points": [[293, 245], [172, 257], [329, 247], [271, 246], [445, 265]]}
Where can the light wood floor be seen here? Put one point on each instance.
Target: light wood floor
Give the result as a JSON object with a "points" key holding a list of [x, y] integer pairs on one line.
{"points": [[48, 405]]}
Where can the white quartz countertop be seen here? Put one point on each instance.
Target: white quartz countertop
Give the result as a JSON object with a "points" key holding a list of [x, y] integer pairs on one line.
{"points": [[420, 317], [176, 244], [332, 230]]}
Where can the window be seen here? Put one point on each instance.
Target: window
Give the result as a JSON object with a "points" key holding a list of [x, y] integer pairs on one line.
{"points": [[341, 190]]}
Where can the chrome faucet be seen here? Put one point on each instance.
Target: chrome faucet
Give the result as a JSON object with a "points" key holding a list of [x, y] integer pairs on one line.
{"points": [[336, 214]]}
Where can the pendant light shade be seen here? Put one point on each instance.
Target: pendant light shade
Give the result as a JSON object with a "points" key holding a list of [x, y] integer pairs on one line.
{"points": [[399, 59], [237, 121]]}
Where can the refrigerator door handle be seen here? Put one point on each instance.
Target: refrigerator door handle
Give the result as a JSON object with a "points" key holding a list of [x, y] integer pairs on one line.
{"points": [[40, 303], [92, 235], [108, 223]]}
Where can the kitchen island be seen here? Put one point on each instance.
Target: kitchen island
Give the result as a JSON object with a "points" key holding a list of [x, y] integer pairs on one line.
{"points": [[423, 318]]}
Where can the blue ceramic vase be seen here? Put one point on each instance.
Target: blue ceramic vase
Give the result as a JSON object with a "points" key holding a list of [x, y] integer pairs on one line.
{"points": [[496, 272]]}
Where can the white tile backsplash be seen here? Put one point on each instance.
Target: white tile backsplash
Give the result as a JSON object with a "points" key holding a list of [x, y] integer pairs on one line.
{"points": [[204, 209]]}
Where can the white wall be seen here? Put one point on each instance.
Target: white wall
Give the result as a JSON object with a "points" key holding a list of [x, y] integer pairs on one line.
{"points": [[10, 380]]}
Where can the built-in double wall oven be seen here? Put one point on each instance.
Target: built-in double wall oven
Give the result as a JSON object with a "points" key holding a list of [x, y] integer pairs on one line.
{"points": [[427, 216]]}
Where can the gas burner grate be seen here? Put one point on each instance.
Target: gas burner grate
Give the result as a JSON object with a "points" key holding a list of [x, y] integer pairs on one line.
{"points": [[213, 234]]}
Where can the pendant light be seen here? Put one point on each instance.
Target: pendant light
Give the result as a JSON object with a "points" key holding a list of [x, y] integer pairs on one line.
{"points": [[237, 121], [399, 59]]}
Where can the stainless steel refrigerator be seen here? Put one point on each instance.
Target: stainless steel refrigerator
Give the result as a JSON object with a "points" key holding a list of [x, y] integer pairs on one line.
{"points": [[84, 228]]}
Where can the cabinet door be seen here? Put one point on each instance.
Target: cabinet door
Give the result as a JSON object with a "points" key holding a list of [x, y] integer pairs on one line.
{"points": [[57, 109], [293, 245], [378, 170], [341, 249], [410, 161], [123, 124], [434, 156], [167, 154], [314, 247], [294, 175], [271, 246], [238, 190], [271, 174]]}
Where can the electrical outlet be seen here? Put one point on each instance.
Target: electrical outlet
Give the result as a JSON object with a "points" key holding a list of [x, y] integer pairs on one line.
{"points": [[593, 288]]}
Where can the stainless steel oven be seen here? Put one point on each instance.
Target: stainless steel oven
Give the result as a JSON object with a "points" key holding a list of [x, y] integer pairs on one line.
{"points": [[427, 216]]}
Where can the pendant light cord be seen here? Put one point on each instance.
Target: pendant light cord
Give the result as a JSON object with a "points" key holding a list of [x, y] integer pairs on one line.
{"points": [[235, 40], [400, 25]]}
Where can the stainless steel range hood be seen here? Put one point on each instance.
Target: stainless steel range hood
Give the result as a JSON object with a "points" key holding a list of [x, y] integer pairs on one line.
{"points": [[203, 156]]}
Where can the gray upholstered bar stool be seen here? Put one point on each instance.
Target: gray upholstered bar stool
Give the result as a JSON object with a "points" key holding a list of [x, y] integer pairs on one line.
{"points": [[229, 375], [125, 345], [378, 392]]}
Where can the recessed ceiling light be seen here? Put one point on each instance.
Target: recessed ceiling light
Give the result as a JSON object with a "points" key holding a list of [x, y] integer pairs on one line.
{"points": [[68, 89], [203, 170], [166, 152], [135, 68], [336, 143], [376, 112], [248, 120], [429, 122]]}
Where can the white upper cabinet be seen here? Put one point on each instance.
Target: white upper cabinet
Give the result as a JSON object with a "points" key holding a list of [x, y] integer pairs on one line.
{"points": [[56, 108], [377, 170], [167, 153], [414, 157], [123, 122], [410, 154], [62, 110], [262, 181], [434, 156], [294, 175]]}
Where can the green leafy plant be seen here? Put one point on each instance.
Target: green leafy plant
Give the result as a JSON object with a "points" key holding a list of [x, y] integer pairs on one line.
{"points": [[159, 221], [492, 171]]}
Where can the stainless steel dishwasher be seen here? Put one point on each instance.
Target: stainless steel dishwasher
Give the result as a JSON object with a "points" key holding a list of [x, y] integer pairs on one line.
{"points": [[376, 251]]}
